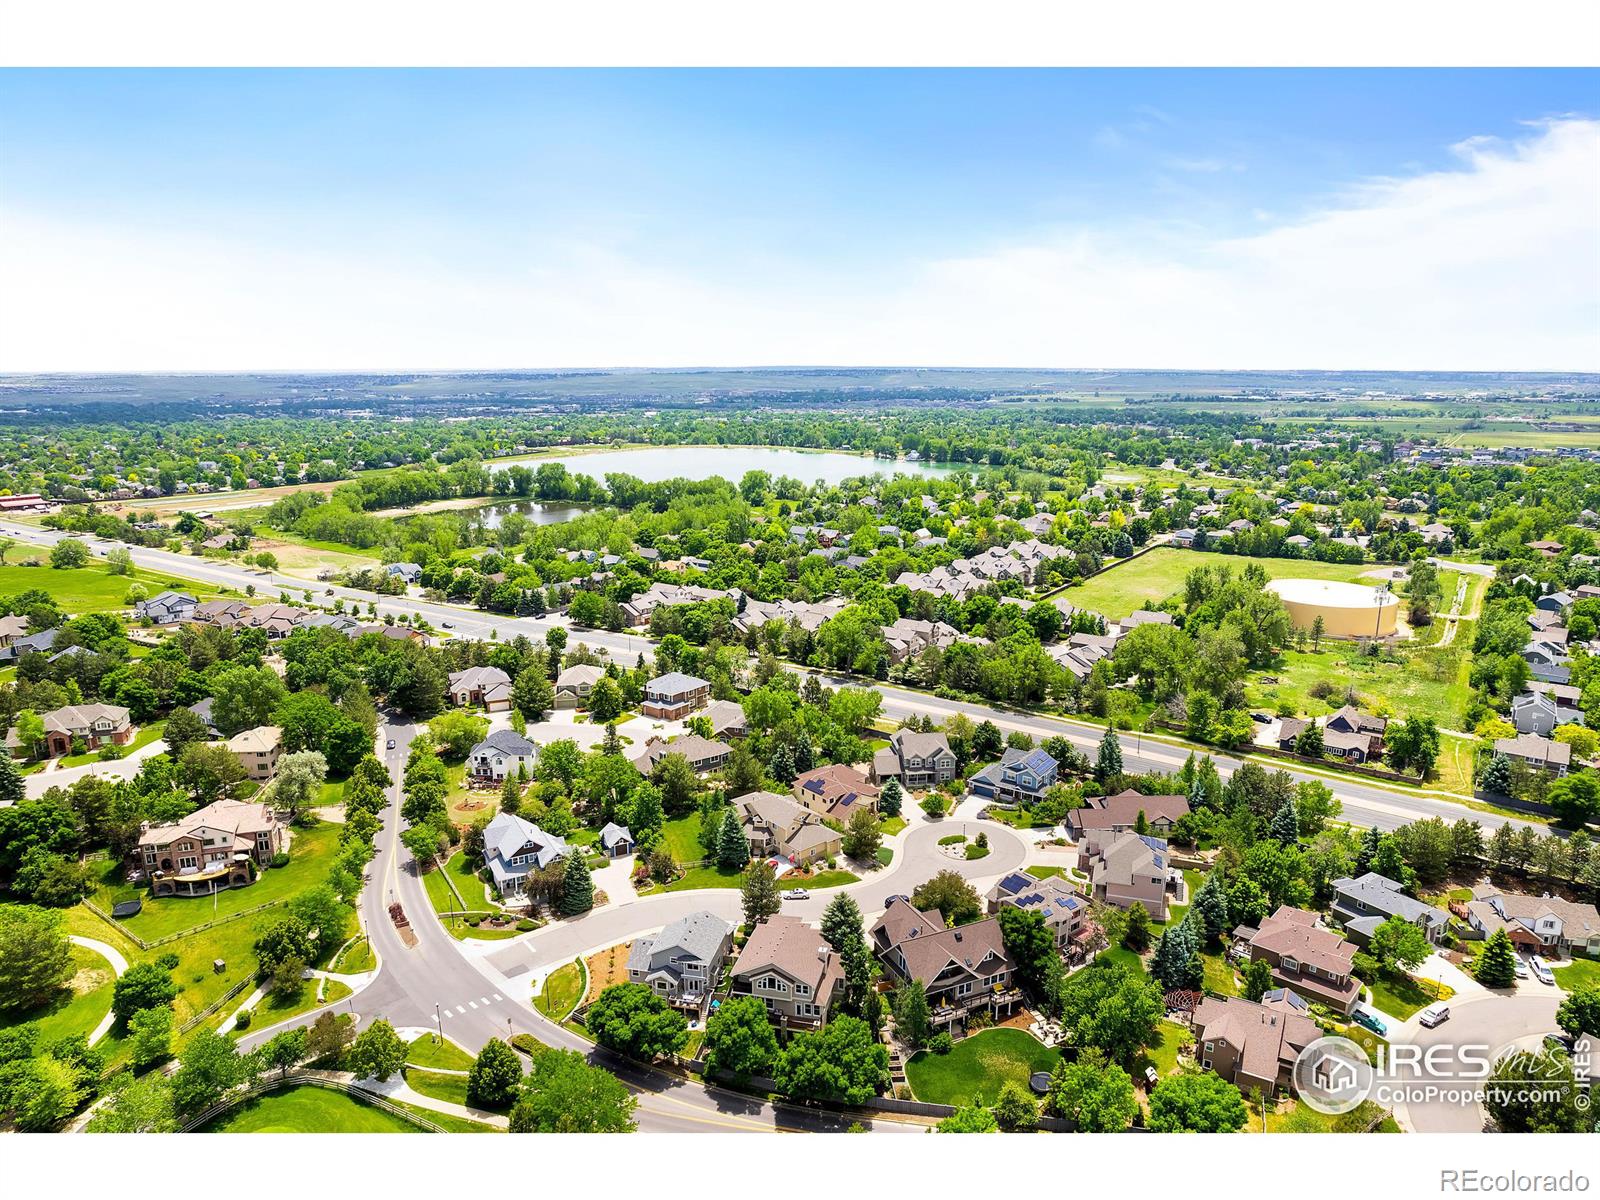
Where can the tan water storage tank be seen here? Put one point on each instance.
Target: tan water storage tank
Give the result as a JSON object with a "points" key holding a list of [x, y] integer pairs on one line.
{"points": [[1346, 609]]}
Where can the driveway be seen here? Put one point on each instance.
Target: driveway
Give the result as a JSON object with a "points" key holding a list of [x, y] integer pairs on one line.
{"points": [[47, 777]]}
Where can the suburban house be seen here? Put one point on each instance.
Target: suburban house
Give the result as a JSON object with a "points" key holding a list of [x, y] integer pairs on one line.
{"points": [[11, 628], [917, 760], [1545, 753], [1548, 661], [216, 847], [1305, 957], [1120, 813], [575, 683], [1364, 903], [95, 724], [835, 791], [788, 966], [727, 719], [1065, 910], [504, 752], [1253, 1045], [669, 595], [26, 643], [616, 840], [489, 687], [683, 963], [1020, 777], [167, 608], [258, 751], [703, 754], [1544, 706], [1126, 869], [775, 826], [1538, 924], [408, 572], [512, 846], [963, 970], [673, 696]]}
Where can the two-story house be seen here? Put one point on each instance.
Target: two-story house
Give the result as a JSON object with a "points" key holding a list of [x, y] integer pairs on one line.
{"points": [[790, 968], [1251, 1045], [673, 696], [258, 751], [777, 827], [1545, 924], [963, 970], [95, 725], [575, 683], [166, 608], [1020, 777], [835, 791], [1362, 904], [702, 754], [1305, 956], [219, 846], [485, 687], [1105, 815], [504, 752], [1065, 909], [1125, 869], [1546, 754], [513, 846], [683, 963], [916, 760]]}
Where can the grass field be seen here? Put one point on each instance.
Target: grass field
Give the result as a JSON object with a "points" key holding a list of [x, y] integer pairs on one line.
{"points": [[309, 1110], [1164, 1057], [1401, 996], [429, 1052], [437, 1085], [92, 588], [1427, 683], [1576, 973], [354, 959], [76, 1008], [561, 992], [682, 839], [309, 854], [978, 1066], [1151, 578]]}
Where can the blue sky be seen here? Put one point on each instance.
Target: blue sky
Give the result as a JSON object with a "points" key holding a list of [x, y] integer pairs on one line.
{"points": [[1030, 218]]}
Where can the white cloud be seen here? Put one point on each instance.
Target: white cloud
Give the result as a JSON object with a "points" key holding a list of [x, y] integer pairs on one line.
{"points": [[1494, 264]]}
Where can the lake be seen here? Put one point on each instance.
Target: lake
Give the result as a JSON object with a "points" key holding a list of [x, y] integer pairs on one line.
{"points": [[655, 463], [537, 512]]}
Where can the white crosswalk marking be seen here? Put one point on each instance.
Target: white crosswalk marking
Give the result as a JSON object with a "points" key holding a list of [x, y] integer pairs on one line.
{"points": [[483, 1000], [448, 1013], [498, 996], [472, 1004], [460, 1010]]}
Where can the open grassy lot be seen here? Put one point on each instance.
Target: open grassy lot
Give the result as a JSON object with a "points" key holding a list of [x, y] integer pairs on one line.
{"points": [[91, 588], [77, 1007], [978, 1066], [309, 854], [682, 839], [309, 1109], [561, 992], [1431, 682], [1151, 578], [429, 1052]]}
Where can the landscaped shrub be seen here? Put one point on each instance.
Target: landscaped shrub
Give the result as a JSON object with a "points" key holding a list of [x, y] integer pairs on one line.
{"points": [[242, 1021], [280, 859], [168, 961], [525, 925], [941, 1043]]}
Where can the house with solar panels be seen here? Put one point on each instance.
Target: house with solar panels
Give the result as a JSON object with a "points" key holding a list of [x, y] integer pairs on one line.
{"points": [[1127, 869], [1065, 909], [963, 970], [1020, 777]]}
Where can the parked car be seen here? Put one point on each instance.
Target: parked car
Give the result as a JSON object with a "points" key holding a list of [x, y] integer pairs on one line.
{"points": [[797, 894], [391, 744], [1520, 966], [1434, 1014], [1369, 1021], [1541, 970], [447, 624]]}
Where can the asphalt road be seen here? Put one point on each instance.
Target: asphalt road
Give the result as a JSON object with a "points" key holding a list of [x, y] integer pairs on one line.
{"points": [[440, 983], [1364, 803]]}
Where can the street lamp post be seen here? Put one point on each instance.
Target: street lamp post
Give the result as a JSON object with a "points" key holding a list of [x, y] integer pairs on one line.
{"points": [[439, 1020]]}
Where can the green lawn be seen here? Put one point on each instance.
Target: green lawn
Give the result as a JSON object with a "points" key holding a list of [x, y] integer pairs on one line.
{"points": [[1428, 682], [707, 877], [822, 879], [1219, 975], [146, 735], [1401, 996], [890, 826], [428, 1051], [1164, 1056], [975, 1070], [438, 1086], [309, 854], [93, 588], [1146, 581], [1047, 872], [1121, 954], [76, 1008], [1576, 973], [682, 839], [309, 1109], [445, 1121], [561, 992], [354, 959]]}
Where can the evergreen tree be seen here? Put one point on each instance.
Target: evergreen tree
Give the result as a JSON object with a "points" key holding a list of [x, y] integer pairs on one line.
{"points": [[577, 887], [841, 922], [912, 1019], [11, 788], [1108, 764], [1136, 933], [760, 893], [1497, 776], [1286, 822], [1210, 904], [1371, 839], [1177, 961], [891, 799], [510, 795], [611, 743], [733, 850], [1497, 964]]}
